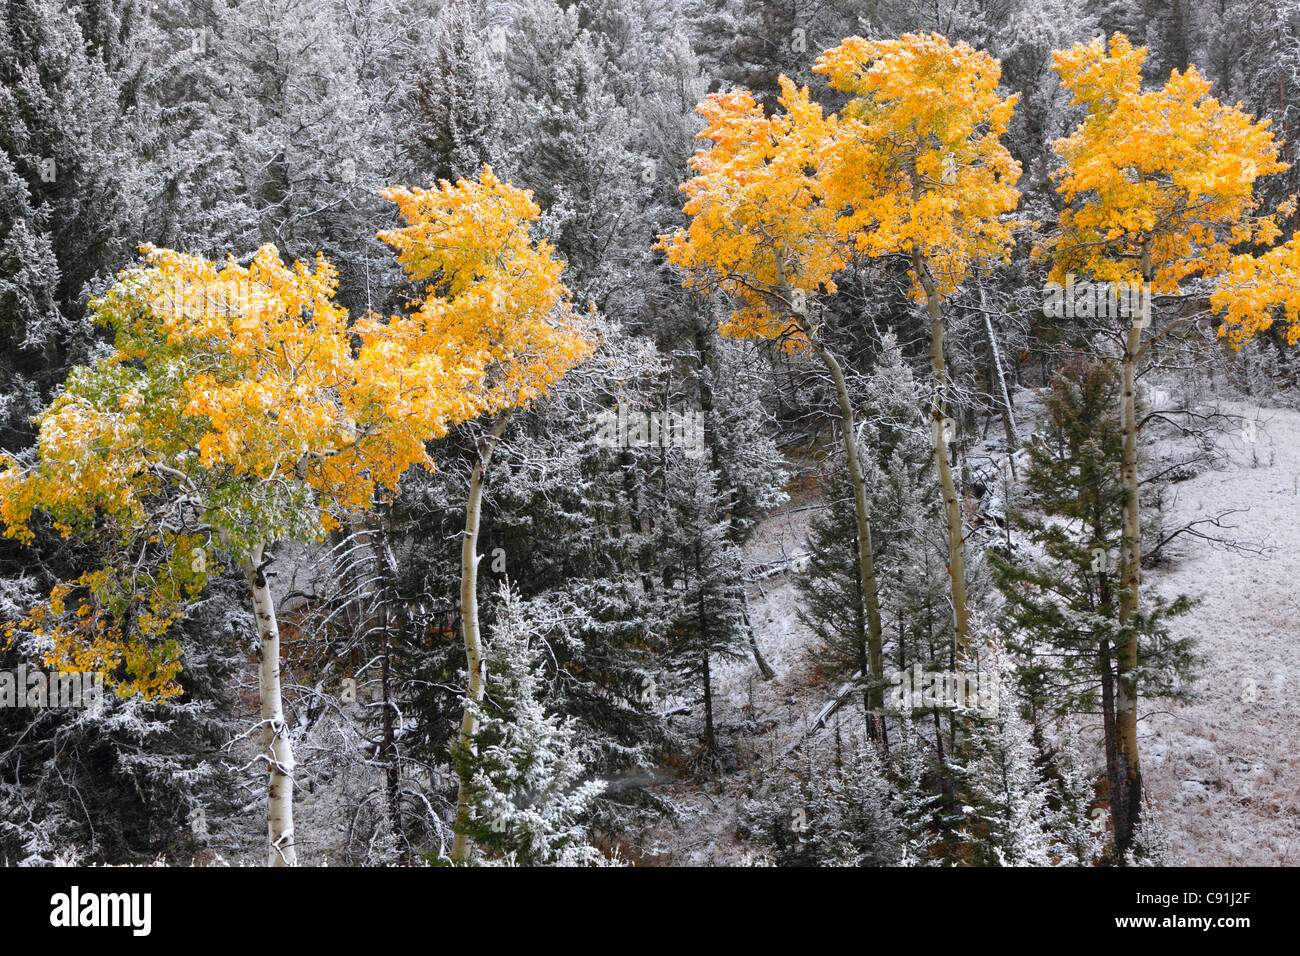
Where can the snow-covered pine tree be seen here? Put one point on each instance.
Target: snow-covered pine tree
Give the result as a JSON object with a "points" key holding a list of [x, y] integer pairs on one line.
{"points": [[1005, 809], [829, 804], [527, 783], [916, 801], [704, 598], [569, 519], [33, 328], [1078, 828], [62, 128], [1152, 841], [71, 204], [774, 39], [580, 160], [731, 379], [830, 588], [458, 101], [312, 132]]}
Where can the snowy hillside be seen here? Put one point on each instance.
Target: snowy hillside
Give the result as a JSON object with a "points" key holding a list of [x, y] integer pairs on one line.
{"points": [[1226, 769]]}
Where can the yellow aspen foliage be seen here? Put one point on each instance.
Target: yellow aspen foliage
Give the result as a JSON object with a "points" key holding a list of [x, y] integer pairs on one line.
{"points": [[919, 164], [495, 312], [761, 229], [240, 383], [1167, 173], [240, 406], [1251, 289]]}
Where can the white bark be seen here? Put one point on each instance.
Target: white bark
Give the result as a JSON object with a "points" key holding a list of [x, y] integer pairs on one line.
{"points": [[875, 661], [1008, 410], [469, 559], [1126, 806], [275, 732], [947, 486]]}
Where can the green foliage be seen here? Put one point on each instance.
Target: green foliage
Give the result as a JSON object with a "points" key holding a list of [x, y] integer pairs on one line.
{"points": [[525, 779], [827, 805], [1061, 591]]}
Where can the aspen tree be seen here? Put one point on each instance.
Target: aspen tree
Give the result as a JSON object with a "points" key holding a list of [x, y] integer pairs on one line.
{"points": [[920, 170], [1160, 188], [234, 412], [494, 301], [763, 232]]}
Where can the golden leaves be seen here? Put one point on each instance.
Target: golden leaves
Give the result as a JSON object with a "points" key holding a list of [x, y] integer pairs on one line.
{"points": [[779, 204], [1100, 79], [1169, 172], [921, 164], [760, 228], [80, 624], [1252, 288], [496, 321], [245, 395], [1168, 175]]}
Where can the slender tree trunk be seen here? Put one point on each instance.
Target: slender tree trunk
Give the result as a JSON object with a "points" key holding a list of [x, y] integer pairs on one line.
{"points": [[863, 647], [1126, 805], [1008, 410], [710, 736], [701, 617], [469, 559], [388, 752], [948, 488], [275, 732], [764, 667], [388, 749], [866, 565]]}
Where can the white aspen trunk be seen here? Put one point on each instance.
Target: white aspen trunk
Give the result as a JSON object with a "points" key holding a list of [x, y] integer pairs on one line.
{"points": [[1008, 410], [862, 514], [275, 733], [1126, 806], [948, 488], [469, 559]]}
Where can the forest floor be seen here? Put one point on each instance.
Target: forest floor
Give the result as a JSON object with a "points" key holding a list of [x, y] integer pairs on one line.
{"points": [[1223, 770]]}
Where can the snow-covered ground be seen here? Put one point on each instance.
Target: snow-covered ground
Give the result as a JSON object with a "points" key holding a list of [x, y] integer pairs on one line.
{"points": [[1225, 770], [770, 714]]}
